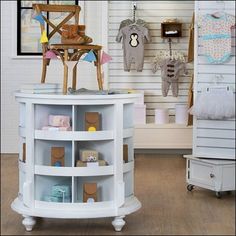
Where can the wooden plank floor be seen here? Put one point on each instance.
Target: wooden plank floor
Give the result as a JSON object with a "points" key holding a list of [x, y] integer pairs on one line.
{"points": [[167, 207]]}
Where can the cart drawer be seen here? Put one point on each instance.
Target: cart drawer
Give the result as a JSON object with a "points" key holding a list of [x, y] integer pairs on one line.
{"points": [[202, 173]]}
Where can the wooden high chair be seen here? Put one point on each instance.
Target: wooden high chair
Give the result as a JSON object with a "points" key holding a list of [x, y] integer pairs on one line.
{"points": [[63, 49]]}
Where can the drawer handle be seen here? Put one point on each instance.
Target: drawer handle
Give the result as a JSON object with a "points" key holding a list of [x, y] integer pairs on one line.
{"points": [[212, 175]]}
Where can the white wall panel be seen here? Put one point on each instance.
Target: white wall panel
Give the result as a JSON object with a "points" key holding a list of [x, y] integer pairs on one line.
{"points": [[213, 138]]}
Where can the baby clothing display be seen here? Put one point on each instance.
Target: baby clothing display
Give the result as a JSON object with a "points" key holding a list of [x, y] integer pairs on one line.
{"points": [[134, 37], [215, 33], [129, 22], [170, 72], [215, 104]]}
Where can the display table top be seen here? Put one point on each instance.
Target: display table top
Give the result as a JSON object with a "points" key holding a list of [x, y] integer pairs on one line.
{"points": [[59, 98]]}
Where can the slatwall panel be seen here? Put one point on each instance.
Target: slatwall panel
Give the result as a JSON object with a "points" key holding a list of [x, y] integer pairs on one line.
{"points": [[153, 12], [213, 138]]}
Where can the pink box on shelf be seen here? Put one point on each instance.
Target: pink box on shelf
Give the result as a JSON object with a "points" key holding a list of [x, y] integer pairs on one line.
{"points": [[59, 121], [139, 114], [52, 128]]}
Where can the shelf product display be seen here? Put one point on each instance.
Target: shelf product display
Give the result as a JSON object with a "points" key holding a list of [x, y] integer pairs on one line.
{"points": [[56, 186]]}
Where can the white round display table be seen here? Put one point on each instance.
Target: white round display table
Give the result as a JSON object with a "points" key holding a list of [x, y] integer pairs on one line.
{"points": [[37, 176]]}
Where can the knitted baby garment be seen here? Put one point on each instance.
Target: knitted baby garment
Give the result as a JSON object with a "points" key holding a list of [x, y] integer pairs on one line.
{"points": [[170, 72], [216, 36]]}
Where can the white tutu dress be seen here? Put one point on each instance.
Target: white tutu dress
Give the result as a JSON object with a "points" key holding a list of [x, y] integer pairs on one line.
{"points": [[215, 104]]}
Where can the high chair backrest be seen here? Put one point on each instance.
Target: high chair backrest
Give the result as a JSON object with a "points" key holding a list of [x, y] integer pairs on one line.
{"points": [[73, 11]]}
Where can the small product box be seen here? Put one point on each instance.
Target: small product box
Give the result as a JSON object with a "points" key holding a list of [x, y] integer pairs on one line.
{"points": [[90, 192], [52, 128], [139, 114], [59, 121], [88, 155], [58, 156], [161, 116], [80, 163], [125, 153], [24, 152], [92, 121]]}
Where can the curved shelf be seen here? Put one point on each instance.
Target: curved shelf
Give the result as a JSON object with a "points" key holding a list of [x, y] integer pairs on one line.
{"points": [[128, 166], [74, 135], [21, 131], [74, 171], [77, 210], [128, 132]]}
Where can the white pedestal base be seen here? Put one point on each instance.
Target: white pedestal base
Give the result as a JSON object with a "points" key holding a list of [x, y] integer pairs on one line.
{"points": [[118, 223], [28, 222], [131, 205]]}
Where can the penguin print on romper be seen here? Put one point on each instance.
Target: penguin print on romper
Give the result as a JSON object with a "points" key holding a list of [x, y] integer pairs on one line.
{"points": [[134, 38]]}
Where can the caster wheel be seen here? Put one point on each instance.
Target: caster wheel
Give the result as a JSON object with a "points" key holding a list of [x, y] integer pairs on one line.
{"points": [[218, 194], [190, 187]]}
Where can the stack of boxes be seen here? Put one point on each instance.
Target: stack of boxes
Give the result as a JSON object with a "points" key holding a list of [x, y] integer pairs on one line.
{"points": [[58, 123], [90, 158]]}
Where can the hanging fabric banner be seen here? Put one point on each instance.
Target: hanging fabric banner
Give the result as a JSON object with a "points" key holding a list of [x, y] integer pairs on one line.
{"points": [[105, 58], [90, 57], [44, 38], [39, 18], [50, 55]]}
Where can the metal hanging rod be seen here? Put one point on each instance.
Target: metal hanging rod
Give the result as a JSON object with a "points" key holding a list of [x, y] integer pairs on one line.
{"points": [[134, 7], [170, 48]]}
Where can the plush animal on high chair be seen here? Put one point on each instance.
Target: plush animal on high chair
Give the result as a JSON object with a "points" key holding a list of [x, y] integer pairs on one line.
{"points": [[72, 38]]}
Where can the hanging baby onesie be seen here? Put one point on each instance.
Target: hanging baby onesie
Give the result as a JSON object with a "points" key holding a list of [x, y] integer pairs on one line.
{"points": [[216, 36], [170, 72], [134, 36]]}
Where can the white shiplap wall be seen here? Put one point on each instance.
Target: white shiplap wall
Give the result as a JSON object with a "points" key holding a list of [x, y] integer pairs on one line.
{"points": [[153, 12], [213, 138]]}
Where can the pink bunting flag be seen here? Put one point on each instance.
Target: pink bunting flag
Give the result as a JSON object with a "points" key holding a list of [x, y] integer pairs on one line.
{"points": [[50, 55], [105, 58]]}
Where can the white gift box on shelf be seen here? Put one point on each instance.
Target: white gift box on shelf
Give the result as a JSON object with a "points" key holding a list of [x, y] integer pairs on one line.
{"points": [[140, 100], [139, 114], [161, 116], [181, 113]]}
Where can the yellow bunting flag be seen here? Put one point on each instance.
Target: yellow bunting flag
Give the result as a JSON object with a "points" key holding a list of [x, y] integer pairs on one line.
{"points": [[44, 38]]}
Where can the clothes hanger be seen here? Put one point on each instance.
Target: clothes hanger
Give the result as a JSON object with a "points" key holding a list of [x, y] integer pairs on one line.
{"points": [[218, 14], [217, 79], [134, 3]]}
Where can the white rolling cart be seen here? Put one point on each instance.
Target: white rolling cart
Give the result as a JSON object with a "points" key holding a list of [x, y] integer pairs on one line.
{"points": [[216, 175], [36, 176]]}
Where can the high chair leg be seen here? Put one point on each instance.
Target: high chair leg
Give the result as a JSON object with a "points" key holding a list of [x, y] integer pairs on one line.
{"points": [[74, 77], [44, 71]]}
